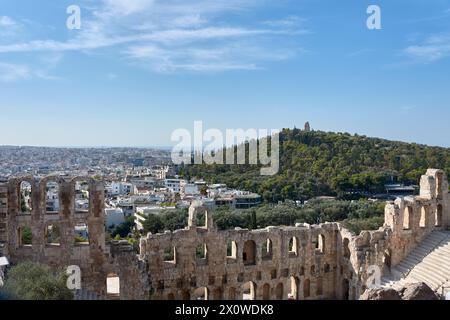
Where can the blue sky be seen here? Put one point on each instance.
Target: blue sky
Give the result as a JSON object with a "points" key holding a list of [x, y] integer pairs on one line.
{"points": [[139, 69]]}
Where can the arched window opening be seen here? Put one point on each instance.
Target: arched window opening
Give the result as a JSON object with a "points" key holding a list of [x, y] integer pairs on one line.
{"points": [[319, 287], [267, 250], [407, 218], [81, 234], [438, 218], [82, 197], [217, 294], [423, 217], [345, 289], [113, 286], [25, 198], [170, 255], [170, 297], [346, 248], [279, 291], [232, 294], [307, 288], [52, 235], [320, 244], [293, 246], [186, 295], [201, 252], [232, 250], [249, 253], [266, 292], [201, 294], [52, 202], [249, 291], [25, 237], [200, 219], [295, 283]]}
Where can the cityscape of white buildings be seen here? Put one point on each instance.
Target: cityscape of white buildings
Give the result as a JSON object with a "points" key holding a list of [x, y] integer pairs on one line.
{"points": [[138, 182]]}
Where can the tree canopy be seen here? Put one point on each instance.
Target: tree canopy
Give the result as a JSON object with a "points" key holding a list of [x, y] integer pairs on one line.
{"points": [[34, 281], [320, 163]]}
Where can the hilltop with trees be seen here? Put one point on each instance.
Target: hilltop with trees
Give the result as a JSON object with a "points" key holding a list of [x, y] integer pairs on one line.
{"points": [[317, 163]]}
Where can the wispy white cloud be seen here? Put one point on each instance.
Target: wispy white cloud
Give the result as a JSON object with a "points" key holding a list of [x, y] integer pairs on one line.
{"points": [[291, 21], [7, 22], [433, 48], [8, 27], [189, 34], [12, 72]]}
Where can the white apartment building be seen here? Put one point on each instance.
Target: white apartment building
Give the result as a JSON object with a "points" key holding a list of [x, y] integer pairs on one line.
{"points": [[190, 189], [121, 188], [114, 217], [174, 185]]}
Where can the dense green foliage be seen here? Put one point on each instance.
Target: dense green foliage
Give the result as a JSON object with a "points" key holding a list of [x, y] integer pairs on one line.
{"points": [[123, 229], [320, 163], [358, 215], [172, 220], [33, 281]]}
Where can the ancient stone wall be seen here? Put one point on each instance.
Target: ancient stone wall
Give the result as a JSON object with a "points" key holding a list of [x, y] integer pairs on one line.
{"points": [[93, 257], [269, 263], [321, 261]]}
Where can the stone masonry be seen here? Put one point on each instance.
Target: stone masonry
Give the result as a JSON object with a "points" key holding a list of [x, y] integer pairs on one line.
{"points": [[303, 262]]}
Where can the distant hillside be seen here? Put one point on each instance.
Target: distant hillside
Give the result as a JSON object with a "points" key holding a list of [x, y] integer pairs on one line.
{"points": [[323, 163]]}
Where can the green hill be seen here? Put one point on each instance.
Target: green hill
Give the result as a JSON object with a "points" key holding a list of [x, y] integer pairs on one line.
{"points": [[320, 163]]}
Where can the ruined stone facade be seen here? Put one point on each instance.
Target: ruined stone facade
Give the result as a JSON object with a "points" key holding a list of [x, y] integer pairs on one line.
{"points": [[200, 262]]}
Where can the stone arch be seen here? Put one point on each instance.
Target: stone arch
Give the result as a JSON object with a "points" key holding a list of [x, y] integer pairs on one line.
{"points": [[345, 289], [232, 294], [438, 217], [201, 293], [387, 256], [423, 217], [52, 199], [232, 250], [25, 194], [295, 284], [293, 246], [201, 252], [407, 218], [249, 253], [112, 285], [217, 294], [346, 248], [279, 291], [320, 244], [319, 286], [307, 288], [170, 254], [185, 295], [266, 292], [195, 209], [52, 234], [82, 188], [25, 237], [249, 291], [51, 190]]}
